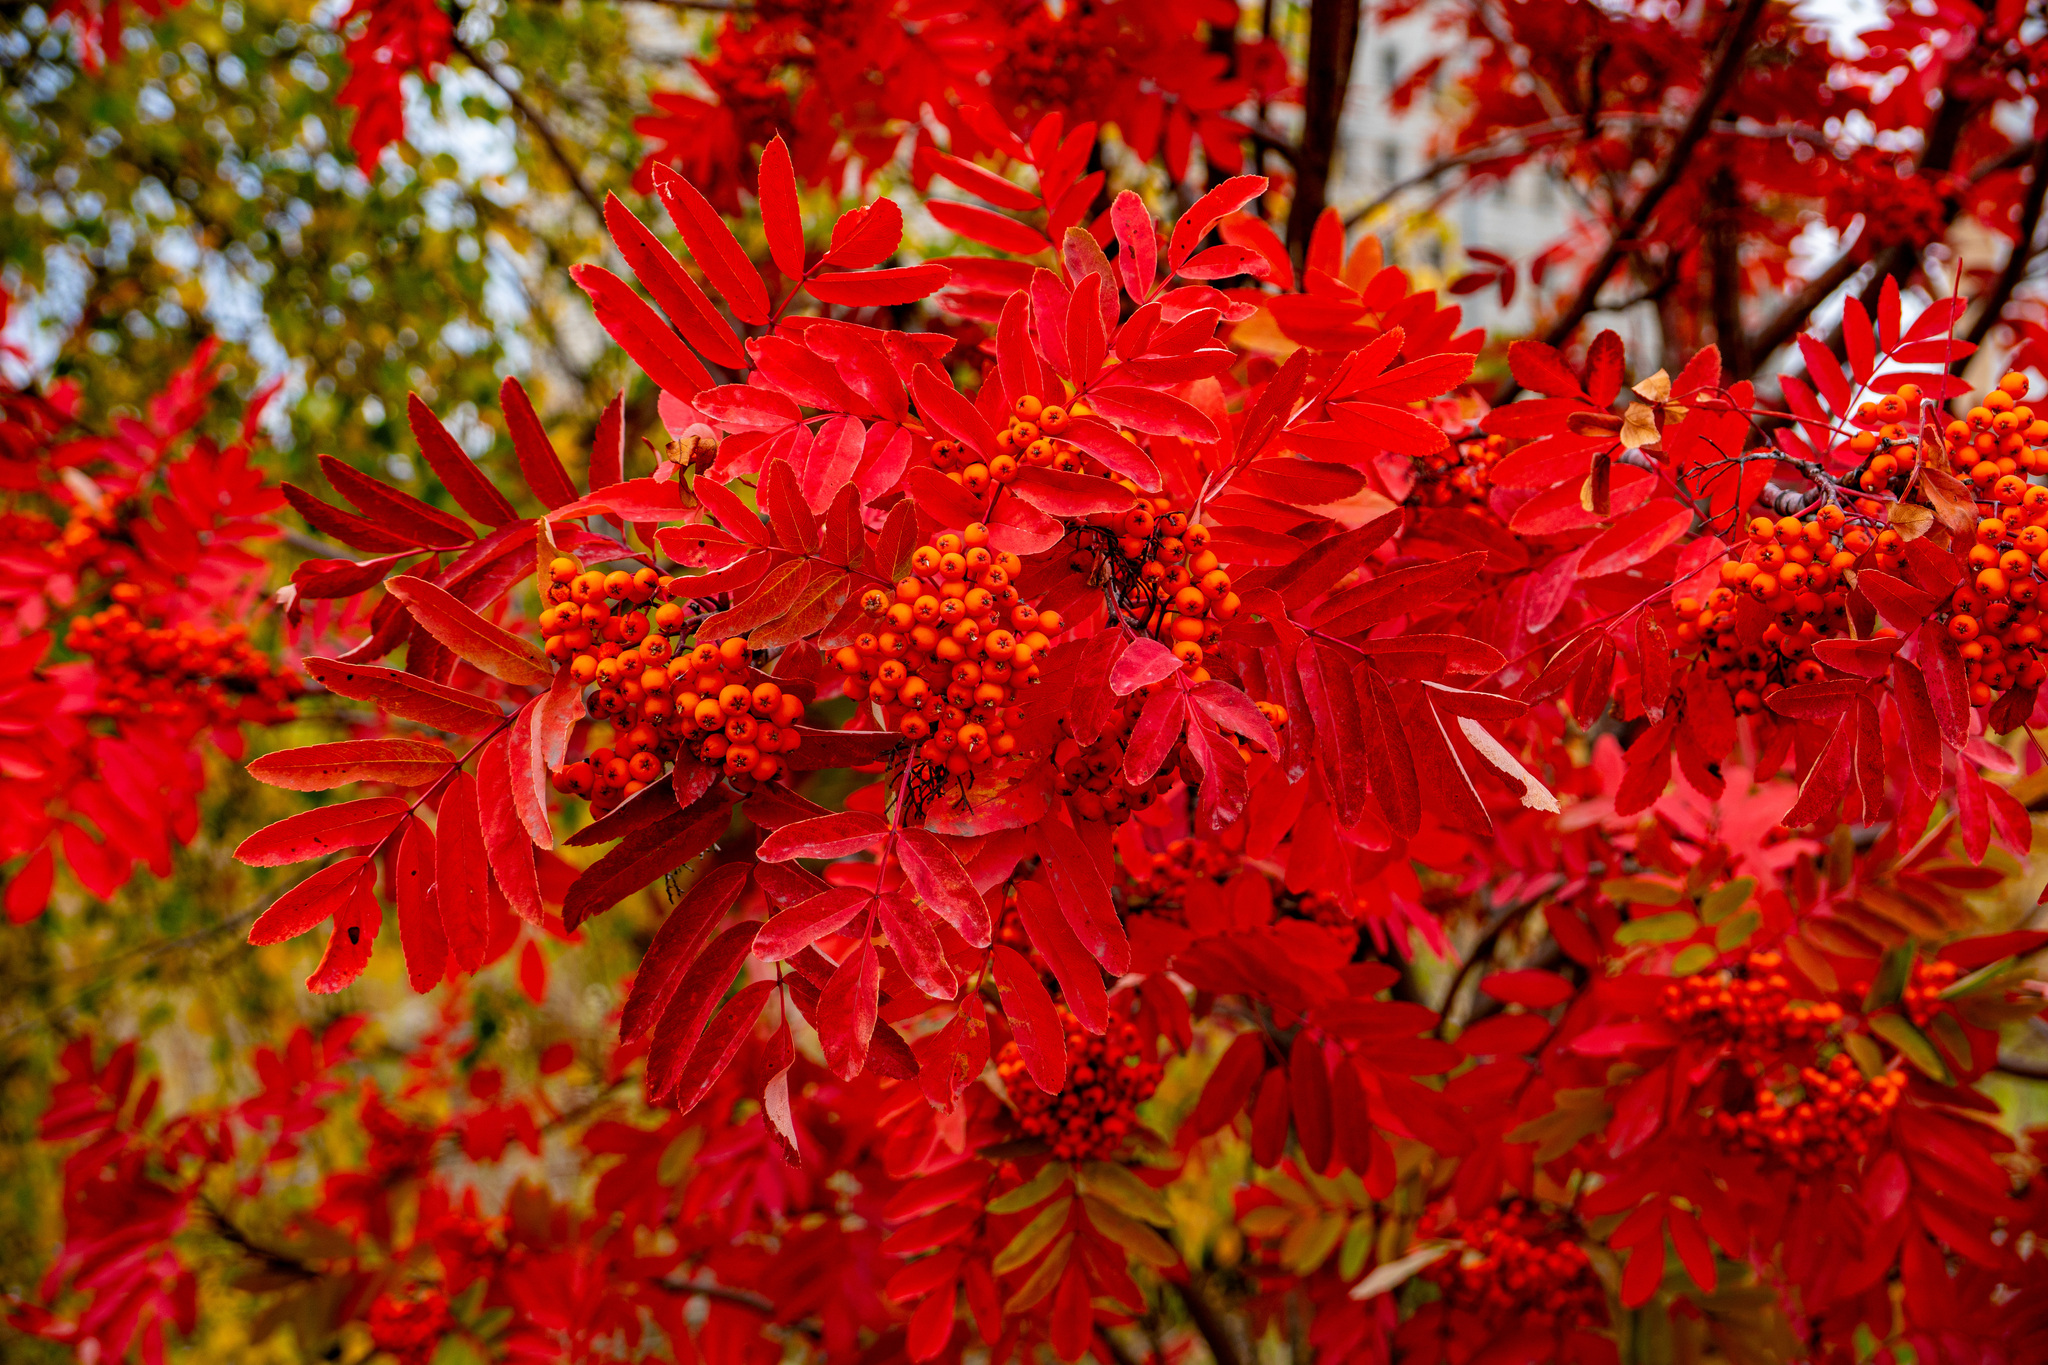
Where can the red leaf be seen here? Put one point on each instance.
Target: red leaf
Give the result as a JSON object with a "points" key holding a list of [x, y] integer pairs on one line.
{"points": [[675, 945], [866, 236], [1142, 663], [419, 921], [641, 334], [1064, 494], [1386, 428], [879, 288], [1083, 894], [507, 844], [1230, 1084], [315, 899], [976, 180], [537, 457], [847, 1010], [1235, 713], [1537, 365], [944, 408], [461, 875], [356, 923], [720, 1042], [473, 493], [824, 836], [1137, 244], [409, 697], [671, 842], [1156, 414], [911, 932], [1220, 202], [1052, 933], [316, 833], [28, 891], [1635, 538], [319, 767], [490, 648], [943, 884], [673, 288], [682, 1022], [804, 923], [387, 506], [1308, 1079], [1529, 986], [711, 242], [782, 221], [988, 227], [1033, 1021]]}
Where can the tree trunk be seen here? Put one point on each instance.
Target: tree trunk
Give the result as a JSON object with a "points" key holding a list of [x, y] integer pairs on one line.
{"points": [[1332, 44]]}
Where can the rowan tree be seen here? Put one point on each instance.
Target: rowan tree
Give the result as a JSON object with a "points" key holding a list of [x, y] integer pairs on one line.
{"points": [[1149, 811]]}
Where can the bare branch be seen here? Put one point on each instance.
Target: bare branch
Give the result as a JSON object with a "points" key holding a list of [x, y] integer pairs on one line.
{"points": [[1733, 51], [2022, 251], [538, 123], [1332, 42]]}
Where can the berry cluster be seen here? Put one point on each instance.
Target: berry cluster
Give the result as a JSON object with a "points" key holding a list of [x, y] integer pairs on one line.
{"points": [[667, 700], [1030, 437], [187, 673], [1159, 577], [1161, 887], [1921, 1000], [1107, 1079], [411, 1329], [1749, 1010], [1517, 1262], [946, 652], [1834, 1109], [1788, 587], [1459, 475]]}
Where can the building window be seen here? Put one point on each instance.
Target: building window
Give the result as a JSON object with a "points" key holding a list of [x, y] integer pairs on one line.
{"points": [[1390, 162], [1390, 68]]}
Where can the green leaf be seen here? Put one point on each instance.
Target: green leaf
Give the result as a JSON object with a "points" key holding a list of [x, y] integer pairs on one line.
{"points": [[1736, 931], [1640, 891], [1725, 899], [1036, 1237], [1033, 1191], [1357, 1246], [1948, 1032], [1042, 1279], [1890, 982], [1693, 959], [1309, 1243], [1898, 1030], [1119, 1186], [1669, 927], [1869, 1058], [1128, 1233]]}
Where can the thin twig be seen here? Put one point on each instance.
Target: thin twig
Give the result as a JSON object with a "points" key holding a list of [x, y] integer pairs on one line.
{"points": [[1625, 234], [538, 123], [2022, 252]]}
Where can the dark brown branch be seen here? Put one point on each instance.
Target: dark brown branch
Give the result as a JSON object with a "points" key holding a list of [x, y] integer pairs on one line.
{"points": [[1116, 1353], [1724, 248], [2022, 251], [2026, 1071], [745, 1298], [1215, 1332], [1332, 43], [1733, 51], [1786, 322], [538, 122]]}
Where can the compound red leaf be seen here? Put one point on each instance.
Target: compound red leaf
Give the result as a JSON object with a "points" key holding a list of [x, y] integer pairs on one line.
{"points": [[847, 1010], [313, 900], [472, 491], [682, 1022], [943, 884], [407, 696], [675, 945], [782, 221], [824, 836], [419, 921], [641, 334], [711, 243], [462, 875]]}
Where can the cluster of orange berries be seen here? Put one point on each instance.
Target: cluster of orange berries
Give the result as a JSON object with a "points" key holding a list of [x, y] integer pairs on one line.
{"points": [[1787, 589], [667, 700], [947, 650], [1458, 475], [1516, 1262], [204, 675], [1827, 1126], [1921, 999], [1160, 887], [1107, 1079], [1750, 1010], [1030, 437]]}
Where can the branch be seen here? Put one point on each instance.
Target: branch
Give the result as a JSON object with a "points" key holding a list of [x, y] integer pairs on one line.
{"points": [[1332, 42], [1625, 235], [745, 1298], [539, 124], [1214, 1331], [2022, 251]]}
